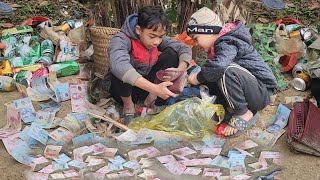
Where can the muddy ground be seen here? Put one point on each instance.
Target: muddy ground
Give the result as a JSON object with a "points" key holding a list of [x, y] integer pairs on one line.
{"points": [[296, 166]]}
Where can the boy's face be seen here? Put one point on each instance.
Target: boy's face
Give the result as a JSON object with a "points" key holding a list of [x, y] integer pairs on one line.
{"points": [[151, 38], [205, 41]]}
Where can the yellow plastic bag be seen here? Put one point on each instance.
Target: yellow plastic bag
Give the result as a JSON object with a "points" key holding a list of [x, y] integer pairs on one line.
{"points": [[190, 118]]}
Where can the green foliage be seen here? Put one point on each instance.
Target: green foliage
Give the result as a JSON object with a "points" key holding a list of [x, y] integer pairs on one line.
{"points": [[264, 42], [172, 11]]}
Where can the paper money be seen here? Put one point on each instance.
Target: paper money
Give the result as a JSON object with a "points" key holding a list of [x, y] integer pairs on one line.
{"points": [[77, 164], [211, 151], [13, 123], [196, 162], [58, 167], [113, 176], [98, 148], [22, 89], [125, 173], [182, 152], [95, 162], [78, 153], [35, 96], [82, 117], [47, 170], [83, 139], [117, 160], [25, 106], [57, 176], [25, 136], [37, 133], [11, 141], [151, 151], [175, 167], [70, 173], [198, 145], [52, 151], [220, 161], [134, 154], [40, 86], [72, 124], [115, 167], [21, 152], [61, 134], [237, 165], [131, 165], [62, 92], [51, 106], [110, 152], [166, 159], [91, 128], [192, 171], [127, 136], [36, 175], [245, 145], [52, 80], [280, 119], [78, 96], [213, 141], [241, 177], [211, 172], [44, 118], [39, 162], [265, 138], [62, 159]]}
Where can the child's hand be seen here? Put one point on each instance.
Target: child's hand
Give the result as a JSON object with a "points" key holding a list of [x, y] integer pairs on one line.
{"points": [[163, 92], [192, 79]]}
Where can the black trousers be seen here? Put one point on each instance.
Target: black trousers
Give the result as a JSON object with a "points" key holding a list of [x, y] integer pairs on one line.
{"points": [[168, 58], [240, 90]]}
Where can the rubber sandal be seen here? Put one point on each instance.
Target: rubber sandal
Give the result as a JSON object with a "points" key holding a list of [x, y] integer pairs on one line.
{"points": [[127, 117], [241, 125]]}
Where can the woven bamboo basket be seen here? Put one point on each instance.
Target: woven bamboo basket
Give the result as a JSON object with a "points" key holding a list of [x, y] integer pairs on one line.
{"points": [[101, 37]]}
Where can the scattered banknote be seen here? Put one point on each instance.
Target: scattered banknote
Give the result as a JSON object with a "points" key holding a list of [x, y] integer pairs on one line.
{"points": [[22, 89], [77, 164], [78, 96], [40, 86], [11, 141], [44, 118], [182, 152], [78, 153], [192, 171], [57, 176], [117, 160], [61, 134], [220, 161], [28, 114], [280, 119], [62, 92], [132, 165], [175, 167], [39, 134], [13, 125], [62, 159], [196, 162], [52, 151], [21, 152], [83, 139], [25, 135], [165, 159], [51, 106], [70, 173], [124, 174], [38, 163], [211, 172], [52, 80], [198, 145], [72, 124], [211, 151], [36, 175], [213, 141], [47, 170], [263, 137], [36, 96], [245, 144]]}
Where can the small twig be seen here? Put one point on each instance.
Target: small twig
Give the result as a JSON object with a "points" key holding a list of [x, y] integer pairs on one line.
{"points": [[110, 120]]}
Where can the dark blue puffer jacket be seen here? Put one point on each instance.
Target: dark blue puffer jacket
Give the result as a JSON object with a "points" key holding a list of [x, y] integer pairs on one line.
{"points": [[236, 47]]}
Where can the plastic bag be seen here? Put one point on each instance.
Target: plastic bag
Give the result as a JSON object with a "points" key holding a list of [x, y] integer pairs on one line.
{"points": [[190, 118]]}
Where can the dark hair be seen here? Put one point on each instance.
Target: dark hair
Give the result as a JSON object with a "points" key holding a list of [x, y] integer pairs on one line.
{"points": [[152, 17]]}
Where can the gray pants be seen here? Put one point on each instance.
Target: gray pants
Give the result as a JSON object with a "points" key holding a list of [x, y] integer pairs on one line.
{"points": [[240, 90]]}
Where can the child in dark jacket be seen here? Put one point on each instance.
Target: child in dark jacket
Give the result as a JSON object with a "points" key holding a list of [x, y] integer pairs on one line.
{"points": [[234, 71], [134, 59]]}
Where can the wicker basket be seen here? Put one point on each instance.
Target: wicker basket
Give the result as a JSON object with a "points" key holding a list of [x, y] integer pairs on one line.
{"points": [[101, 37]]}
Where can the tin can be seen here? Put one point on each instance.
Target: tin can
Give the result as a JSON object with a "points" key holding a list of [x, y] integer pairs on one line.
{"points": [[5, 68], [40, 72], [301, 82], [297, 69], [294, 34], [65, 68], [309, 36], [22, 75], [31, 68], [7, 83]]}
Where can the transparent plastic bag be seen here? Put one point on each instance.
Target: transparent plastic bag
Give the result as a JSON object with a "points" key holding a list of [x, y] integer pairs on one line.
{"points": [[190, 118]]}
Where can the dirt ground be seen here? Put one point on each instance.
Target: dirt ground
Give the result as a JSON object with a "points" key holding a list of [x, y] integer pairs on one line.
{"points": [[296, 166]]}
